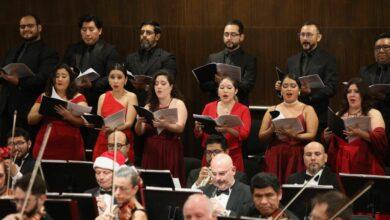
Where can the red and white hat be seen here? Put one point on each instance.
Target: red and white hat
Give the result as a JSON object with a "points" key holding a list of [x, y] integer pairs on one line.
{"points": [[106, 160]]}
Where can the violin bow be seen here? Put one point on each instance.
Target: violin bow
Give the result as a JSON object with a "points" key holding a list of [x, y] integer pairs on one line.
{"points": [[12, 148]]}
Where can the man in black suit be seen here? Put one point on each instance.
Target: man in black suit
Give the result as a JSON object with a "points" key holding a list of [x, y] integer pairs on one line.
{"points": [[21, 94], [266, 195], [92, 52], [148, 59], [228, 195], [314, 157], [20, 149], [233, 54], [379, 73], [215, 144], [314, 60]]}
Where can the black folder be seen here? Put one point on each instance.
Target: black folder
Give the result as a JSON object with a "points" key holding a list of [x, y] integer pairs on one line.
{"points": [[205, 73], [165, 204], [142, 112], [301, 207], [279, 73], [336, 124], [208, 123], [96, 120], [48, 104]]}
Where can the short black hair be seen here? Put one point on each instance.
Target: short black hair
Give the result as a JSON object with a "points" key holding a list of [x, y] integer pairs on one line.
{"points": [[37, 19], [382, 35], [238, 23], [156, 26], [335, 200], [38, 188], [88, 18], [19, 132], [263, 180], [217, 139], [306, 23]]}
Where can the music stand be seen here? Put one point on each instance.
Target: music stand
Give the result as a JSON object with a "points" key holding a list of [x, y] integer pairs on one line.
{"points": [[83, 175], [86, 203], [377, 200], [301, 207], [61, 209], [157, 178], [7, 207], [164, 203]]}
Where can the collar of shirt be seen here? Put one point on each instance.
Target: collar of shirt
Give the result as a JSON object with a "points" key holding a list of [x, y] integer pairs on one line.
{"points": [[233, 53], [315, 181]]}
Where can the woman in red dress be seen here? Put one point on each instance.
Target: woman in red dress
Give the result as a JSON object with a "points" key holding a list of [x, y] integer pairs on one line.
{"points": [[228, 105], [164, 150], [284, 155], [65, 141], [366, 151], [113, 101]]}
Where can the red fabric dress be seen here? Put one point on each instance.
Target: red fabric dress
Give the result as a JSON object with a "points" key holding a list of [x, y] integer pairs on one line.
{"points": [[234, 143], [163, 151], [110, 106], [65, 141], [284, 157], [359, 156]]}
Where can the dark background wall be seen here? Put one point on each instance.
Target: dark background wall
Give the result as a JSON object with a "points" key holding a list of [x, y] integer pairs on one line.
{"points": [[193, 28]]}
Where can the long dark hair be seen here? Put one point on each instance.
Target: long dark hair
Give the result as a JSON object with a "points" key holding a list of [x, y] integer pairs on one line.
{"points": [[71, 91], [152, 97], [364, 92]]}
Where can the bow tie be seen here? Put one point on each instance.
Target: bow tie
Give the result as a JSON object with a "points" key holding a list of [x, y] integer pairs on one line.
{"points": [[102, 192], [308, 177], [219, 192]]}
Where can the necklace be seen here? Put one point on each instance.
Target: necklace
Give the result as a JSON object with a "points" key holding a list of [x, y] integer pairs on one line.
{"points": [[355, 114], [225, 109]]}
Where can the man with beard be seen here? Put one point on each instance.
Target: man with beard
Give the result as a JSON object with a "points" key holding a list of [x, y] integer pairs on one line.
{"points": [[20, 94], [379, 73], [314, 60], [148, 59], [233, 54], [92, 52], [35, 209], [314, 157], [20, 150], [227, 195]]}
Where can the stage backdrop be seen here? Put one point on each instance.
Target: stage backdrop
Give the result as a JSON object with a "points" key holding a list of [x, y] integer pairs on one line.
{"points": [[192, 29]]}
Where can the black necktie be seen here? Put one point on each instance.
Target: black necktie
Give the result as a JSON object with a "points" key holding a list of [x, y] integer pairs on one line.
{"points": [[379, 74], [219, 192], [85, 60], [227, 59], [22, 51], [305, 63]]}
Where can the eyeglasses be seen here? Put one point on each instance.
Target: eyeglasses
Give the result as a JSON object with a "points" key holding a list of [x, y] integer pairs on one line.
{"points": [[118, 145], [23, 26], [213, 152], [147, 32], [382, 47], [232, 34], [17, 143], [305, 34]]}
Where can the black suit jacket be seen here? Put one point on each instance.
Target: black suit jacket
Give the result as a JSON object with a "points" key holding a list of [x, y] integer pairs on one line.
{"points": [[27, 164], [248, 66], [194, 174], [42, 60], [240, 196], [103, 57], [251, 211], [368, 74], [323, 64], [156, 59], [327, 178], [94, 191]]}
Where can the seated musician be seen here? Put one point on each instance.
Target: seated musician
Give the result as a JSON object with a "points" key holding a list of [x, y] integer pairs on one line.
{"points": [[314, 157], [325, 206], [35, 209], [126, 186], [266, 195]]}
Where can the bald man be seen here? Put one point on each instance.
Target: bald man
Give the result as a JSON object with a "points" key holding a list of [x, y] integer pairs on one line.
{"points": [[198, 207], [228, 195], [315, 157]]}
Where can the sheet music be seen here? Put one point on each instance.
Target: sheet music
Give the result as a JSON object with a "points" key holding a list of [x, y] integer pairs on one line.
{"points": [[115, 119], [229, 121], [231, 71], [288, 123], [19, 69], [313, 81], [169, 114], [89, 74], [362, 122], [77, 109]]}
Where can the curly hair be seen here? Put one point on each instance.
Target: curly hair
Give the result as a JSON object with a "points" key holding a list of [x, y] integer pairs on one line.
{"points": [[153, 100], [364, 92], [71, 91]]}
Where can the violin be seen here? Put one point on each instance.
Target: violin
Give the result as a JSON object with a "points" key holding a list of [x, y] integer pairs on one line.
{"points": [[279, 214]]}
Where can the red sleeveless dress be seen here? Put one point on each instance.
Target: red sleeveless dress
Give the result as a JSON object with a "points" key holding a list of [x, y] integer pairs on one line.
{"points": [[65, 141], [284, 157], [163, 151], [110, 106]]}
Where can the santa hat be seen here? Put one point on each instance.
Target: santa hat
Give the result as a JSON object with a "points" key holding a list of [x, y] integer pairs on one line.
{"points": [[106, 160]]}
